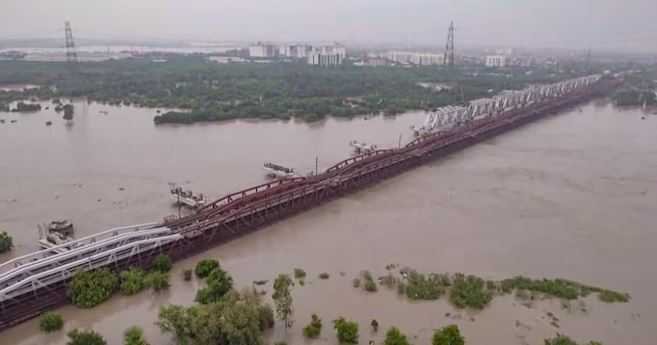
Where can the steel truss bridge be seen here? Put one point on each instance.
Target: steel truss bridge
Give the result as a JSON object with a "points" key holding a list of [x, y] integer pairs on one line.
{"points": [[34, 283]]}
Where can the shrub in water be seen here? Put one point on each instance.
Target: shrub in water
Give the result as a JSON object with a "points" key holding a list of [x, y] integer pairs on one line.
{"points": [[313, 329], [50, 322], [132, 281], [90, 288], [205, 267], [162, 263]]}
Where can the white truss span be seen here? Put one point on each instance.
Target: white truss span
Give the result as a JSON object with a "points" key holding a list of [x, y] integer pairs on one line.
{"points": [[449, 118], [46, 267]]}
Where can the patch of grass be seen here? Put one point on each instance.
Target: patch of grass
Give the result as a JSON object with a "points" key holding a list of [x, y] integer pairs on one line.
{"points": [[561, 288], [421, 287], [299, 273], [613, 296], [324, 275], [469, 292]]}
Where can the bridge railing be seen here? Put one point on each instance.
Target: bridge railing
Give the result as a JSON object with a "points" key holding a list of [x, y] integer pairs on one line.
{"points": [[45, 253]]}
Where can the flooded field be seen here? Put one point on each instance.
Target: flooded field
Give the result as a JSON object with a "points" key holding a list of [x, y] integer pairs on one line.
{"points": [[572, 196]]}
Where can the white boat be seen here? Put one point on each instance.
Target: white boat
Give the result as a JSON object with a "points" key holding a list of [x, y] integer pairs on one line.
{"points": [[362, 147], [186, 197], [277, 171]]}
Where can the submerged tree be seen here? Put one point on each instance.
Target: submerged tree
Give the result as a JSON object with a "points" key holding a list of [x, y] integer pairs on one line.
{"points": [[68, 112], [283, 300], [236, 319], [6, 242]]}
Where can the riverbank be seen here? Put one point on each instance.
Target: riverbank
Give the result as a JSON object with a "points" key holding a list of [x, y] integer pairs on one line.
{"points": [[570, 196]]}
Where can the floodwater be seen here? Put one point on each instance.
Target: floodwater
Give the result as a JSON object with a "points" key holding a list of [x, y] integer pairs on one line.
{"points": [[572, 196]]}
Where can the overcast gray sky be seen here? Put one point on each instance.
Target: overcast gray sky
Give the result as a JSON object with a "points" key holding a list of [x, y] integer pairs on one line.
{"points": [[602, 24]]}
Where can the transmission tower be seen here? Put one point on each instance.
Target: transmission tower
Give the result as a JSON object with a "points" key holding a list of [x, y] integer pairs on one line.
{"points": [[71, 55], [449, 47]]}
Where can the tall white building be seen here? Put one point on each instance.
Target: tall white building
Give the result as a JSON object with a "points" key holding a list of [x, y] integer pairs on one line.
{"points": [[327, 55], [496, 61], [262, 50]]}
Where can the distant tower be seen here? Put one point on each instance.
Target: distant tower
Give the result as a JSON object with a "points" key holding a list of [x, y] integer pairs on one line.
{"points": [[588, 58], [449, 47], [71, 55]]}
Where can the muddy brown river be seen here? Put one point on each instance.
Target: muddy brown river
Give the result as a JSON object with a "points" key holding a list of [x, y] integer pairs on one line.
{"points": [[572, 196]]}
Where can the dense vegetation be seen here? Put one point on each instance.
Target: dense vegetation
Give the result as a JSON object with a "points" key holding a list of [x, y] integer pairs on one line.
{"points": [[219, 283], [162, 263], [313, 329], [85, 338], [562, 288], [134, 336], [90, 288], [210, 92], [157, 280], [6, 242], [50, 322], [236, 319], [395, 337], [449, 335], [469, 292], [473, 292], [639, 87], [132, 281], [347, 331], [205, 267], [423, 288]]}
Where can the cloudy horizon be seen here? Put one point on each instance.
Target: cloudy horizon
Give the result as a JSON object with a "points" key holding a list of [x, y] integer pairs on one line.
{"points": [[602, 25]]}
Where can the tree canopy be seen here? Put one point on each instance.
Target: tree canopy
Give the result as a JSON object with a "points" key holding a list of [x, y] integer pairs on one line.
{"points": [[90, 288]]}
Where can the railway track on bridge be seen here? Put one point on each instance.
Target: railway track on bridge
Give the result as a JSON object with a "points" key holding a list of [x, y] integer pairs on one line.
{"points": [[31, 284]]}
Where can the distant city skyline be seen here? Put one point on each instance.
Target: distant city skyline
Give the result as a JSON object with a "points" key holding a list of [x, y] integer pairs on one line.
{"points": [[605, 25]]}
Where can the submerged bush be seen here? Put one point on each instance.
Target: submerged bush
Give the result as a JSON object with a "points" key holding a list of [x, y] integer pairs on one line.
{"points": [[449, 335], [85, 338], [132, 281], [219, 283], [395, 337], [347, 331], [90, 288], [299, 273], [561, 288], [157, 280], [469, 292], [50, 322], [205, 267], [422, 288], [313, 329], [162, 263], [6, 242]]}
